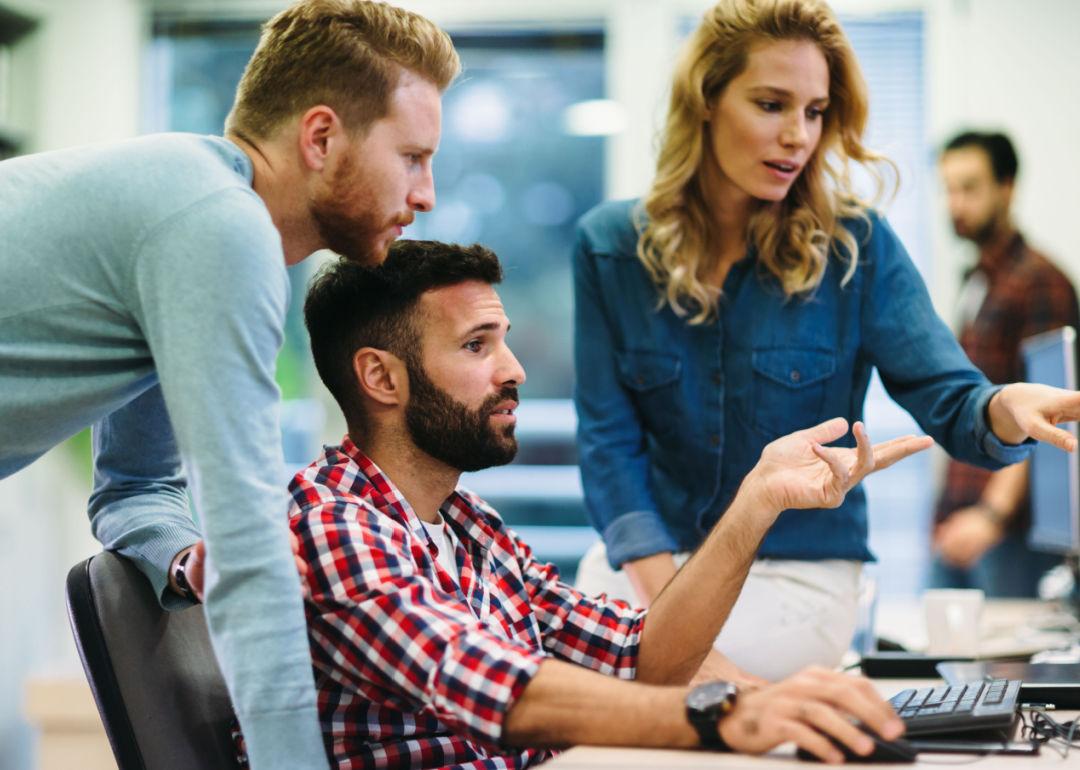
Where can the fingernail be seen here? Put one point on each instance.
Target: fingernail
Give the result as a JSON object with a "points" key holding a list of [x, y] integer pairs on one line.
{"points": [[894, 728], [865, 746]]}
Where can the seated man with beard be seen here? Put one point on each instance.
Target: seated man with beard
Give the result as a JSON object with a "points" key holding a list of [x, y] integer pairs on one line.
{"points": [[437, 638]]}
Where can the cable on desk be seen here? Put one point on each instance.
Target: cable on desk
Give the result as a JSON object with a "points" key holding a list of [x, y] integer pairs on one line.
{"points": [[1043, 728]]}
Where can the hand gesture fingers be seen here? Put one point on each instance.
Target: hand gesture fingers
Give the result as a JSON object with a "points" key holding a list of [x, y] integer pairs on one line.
{"points": [[1025, 409], [892, 451], [826, 432], [847, 473], [1042, 429]]}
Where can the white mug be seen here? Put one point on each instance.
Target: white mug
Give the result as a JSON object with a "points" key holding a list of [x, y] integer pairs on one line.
{"points": [[952, 620]]}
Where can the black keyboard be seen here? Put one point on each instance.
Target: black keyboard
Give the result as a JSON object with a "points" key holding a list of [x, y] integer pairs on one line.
{"points": [[989, 705]]}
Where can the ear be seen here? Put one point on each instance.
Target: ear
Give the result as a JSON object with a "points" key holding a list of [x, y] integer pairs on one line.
{"points": [[320, 130], [381, 376], [1008, 187]]}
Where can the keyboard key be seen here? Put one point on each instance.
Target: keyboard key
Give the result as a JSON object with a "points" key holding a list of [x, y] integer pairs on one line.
{"points": [[901, 698], [937, 696], [920, 696]]}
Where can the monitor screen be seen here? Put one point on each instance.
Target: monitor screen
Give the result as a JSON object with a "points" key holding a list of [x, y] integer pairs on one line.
{"points": [[1055, 475]]}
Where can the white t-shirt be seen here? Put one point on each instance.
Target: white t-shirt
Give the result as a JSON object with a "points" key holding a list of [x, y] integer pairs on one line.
{"points": [[444, 539]]}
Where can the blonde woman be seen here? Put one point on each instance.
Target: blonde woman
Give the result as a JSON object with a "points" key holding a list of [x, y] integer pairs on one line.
{"points": [[748, 295]]}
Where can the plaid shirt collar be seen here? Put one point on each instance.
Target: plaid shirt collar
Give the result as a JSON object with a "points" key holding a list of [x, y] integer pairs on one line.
{"points": [[468, 523]]}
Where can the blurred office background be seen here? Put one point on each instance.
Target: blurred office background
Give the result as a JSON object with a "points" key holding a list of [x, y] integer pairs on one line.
{"points": [[556, 111]]}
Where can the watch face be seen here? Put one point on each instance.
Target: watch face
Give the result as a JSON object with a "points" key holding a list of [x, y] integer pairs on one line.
{"points": [[710, 694]]}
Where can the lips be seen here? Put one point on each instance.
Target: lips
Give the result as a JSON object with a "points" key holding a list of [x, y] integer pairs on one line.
{"points": [[506, 407], [783, 166]]}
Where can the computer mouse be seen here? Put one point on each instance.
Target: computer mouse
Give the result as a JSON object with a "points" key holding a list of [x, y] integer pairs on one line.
{"points": [[896, 751]]}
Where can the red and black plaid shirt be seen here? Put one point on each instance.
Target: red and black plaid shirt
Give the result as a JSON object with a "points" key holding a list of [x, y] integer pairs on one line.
{"points": [[415, 669], [1026, 294]]}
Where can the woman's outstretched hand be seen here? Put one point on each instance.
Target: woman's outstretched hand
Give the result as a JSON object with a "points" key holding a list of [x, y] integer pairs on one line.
{"points": [[1025, 409]]}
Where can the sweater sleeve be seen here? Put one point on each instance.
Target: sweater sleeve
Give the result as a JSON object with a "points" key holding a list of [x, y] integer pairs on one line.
{"points": [[211, 293], [139, 505]]}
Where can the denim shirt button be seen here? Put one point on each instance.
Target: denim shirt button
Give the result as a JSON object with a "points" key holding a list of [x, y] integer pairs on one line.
{"points": [[718, 378], [795, 376], [640, 380], [714, 439]]}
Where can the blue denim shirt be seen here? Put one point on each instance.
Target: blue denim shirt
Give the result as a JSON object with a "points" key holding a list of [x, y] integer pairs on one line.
{"points": [[672, 416]]}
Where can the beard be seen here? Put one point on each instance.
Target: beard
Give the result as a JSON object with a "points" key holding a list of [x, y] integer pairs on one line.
{"points": [[980, 232], [453, 434], [348, 218]]}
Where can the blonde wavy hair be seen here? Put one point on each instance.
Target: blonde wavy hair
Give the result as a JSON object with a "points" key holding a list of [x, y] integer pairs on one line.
{"points": [[794, 237]]}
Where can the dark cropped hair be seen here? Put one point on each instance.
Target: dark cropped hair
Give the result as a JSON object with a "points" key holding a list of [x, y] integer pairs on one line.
{"points": [[350, 306], [997, 147]]}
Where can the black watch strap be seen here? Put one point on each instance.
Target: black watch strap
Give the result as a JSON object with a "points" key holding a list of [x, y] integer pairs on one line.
{"points": [[706, 705], [180, 578]]}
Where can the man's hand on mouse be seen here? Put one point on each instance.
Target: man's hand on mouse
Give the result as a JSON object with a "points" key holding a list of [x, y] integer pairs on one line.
{"points": [[807, 707]]}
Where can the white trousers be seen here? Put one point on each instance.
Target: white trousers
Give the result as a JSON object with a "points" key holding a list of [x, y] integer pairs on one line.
{"points": [[789, 614]]}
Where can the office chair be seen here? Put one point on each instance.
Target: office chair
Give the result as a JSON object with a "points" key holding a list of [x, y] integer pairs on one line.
{"points": [[155, 680]]}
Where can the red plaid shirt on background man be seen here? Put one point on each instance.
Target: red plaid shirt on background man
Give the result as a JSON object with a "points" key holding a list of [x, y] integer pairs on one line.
{"points": [[414, 668], [1026, 294]]}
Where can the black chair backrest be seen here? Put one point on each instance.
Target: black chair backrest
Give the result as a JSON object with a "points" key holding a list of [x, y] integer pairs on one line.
{"points": [[153, 673]]}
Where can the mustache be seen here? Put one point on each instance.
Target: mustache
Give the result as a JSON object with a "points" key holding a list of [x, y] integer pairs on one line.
{"points": [[507, 393]]}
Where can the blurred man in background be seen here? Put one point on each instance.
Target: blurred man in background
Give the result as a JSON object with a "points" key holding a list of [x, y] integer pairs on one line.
{"points": [[1011, 293]]}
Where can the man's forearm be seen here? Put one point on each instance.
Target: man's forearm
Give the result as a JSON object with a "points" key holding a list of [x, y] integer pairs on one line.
{"points": [[686, 618], [565, 705]]}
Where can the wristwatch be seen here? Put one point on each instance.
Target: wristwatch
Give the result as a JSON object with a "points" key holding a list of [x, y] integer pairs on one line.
{"points": [[706, 705], [180, 578]]}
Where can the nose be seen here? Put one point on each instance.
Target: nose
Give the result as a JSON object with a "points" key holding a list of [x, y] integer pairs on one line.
{"points": [[511, 372], [421, 195], [795, 133]]}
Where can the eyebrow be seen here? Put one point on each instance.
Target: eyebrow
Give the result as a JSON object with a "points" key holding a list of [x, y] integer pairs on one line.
{"points": [[785, 93], [490, 326]]}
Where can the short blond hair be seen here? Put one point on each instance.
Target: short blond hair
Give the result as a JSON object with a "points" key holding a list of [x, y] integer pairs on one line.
{"points": [[346, 54], [794, 237]]}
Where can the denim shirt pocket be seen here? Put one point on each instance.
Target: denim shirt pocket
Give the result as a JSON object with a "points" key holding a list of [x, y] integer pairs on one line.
{"points": [[651, 378], [789, 388]]}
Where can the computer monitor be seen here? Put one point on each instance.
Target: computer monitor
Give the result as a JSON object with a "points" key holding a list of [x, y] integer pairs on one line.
{"points": [[1055, 475]]}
